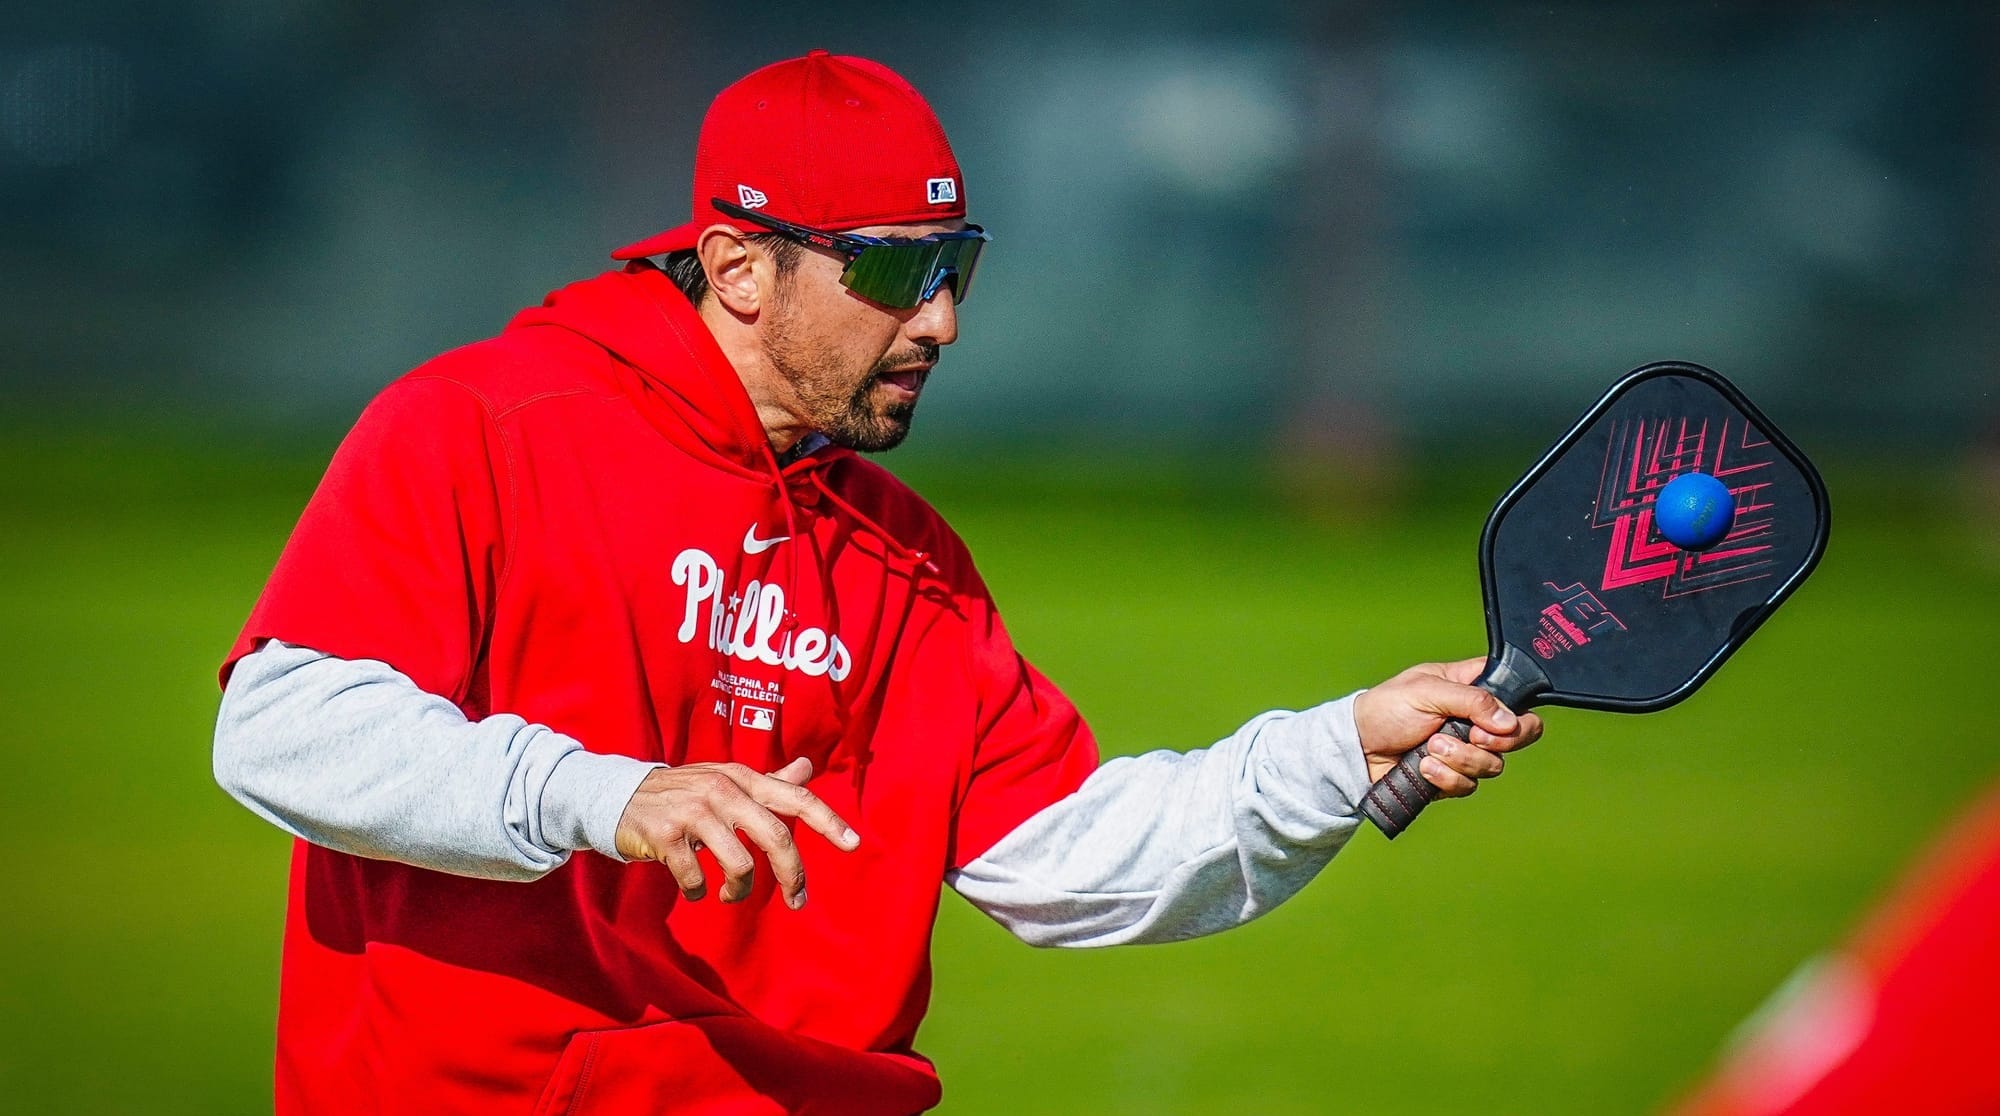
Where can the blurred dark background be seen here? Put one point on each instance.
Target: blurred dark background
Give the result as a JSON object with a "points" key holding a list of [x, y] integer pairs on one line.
{"points": [[1281, 296], [1223, 224]]}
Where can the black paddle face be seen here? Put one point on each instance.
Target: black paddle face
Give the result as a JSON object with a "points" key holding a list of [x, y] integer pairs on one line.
{"points": [[1583, 591]]}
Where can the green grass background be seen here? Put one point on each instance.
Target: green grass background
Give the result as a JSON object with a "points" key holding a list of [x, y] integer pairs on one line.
{"points": [[1577, 939]]}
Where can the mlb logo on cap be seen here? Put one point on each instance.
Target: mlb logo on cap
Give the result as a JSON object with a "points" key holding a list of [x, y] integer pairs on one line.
{"points": [[943, 191]]}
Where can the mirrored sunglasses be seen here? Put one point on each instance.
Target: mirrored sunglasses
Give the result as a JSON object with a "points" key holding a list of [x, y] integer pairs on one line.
{"points": [[902, 272]]}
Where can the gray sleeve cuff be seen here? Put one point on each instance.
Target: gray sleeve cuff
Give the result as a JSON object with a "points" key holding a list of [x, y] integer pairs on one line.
{"points": [[584, 798], [1342, 763], [352, 755]]}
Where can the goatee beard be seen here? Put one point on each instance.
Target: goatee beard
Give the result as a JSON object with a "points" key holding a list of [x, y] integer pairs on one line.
{"points": [[854, 421], [847, 419], [861, 427]]}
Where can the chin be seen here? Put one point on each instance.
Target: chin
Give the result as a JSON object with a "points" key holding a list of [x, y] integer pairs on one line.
{"points": [[879, 436]]}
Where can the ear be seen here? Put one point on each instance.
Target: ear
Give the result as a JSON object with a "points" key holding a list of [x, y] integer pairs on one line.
{"points": [[731, 265]]}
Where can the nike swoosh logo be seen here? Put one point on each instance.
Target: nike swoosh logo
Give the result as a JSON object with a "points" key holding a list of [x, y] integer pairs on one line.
{"points": [[754, 545]]}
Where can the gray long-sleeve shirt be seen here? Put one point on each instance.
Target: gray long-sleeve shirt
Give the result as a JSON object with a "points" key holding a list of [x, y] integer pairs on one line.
{"points": [[352, 755]]}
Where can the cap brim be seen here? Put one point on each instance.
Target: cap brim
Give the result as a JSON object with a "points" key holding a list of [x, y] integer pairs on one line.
{"points": [[673, 240]]}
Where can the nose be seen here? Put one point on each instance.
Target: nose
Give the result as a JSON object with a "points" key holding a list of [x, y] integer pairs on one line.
{"points": [[936, 321]]}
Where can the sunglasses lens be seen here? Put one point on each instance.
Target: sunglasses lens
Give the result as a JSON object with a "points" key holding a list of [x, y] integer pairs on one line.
{"points": [[960, 258], [891, 274], [903, 275]]}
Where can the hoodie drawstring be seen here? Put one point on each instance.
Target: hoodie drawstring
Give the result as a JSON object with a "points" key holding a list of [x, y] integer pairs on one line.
{"points": [[889, 541], [857, 748]]}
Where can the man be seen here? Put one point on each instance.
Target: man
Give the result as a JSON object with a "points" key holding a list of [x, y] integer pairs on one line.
{"points": [[616, 583]]}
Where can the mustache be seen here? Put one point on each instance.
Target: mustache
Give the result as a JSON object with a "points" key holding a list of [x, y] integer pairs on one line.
{"points": [[924, 353]]}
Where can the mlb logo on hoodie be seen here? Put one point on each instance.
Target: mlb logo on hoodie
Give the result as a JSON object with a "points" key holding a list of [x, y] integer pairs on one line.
{"points": [[757, 717]]}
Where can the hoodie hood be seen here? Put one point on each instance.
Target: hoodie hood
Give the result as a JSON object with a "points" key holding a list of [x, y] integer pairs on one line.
{"points": [[675, 372]]}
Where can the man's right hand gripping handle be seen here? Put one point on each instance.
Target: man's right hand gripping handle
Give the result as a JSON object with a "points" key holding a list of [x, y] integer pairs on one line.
{"points": [[1431, 733]]}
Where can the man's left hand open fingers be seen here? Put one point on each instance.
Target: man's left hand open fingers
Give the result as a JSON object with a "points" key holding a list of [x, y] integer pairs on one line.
{"points": [[778, 794]]}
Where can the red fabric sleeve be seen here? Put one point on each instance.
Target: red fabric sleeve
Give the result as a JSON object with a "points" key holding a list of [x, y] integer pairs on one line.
{"points": [[1032, 747], [399, 552]]}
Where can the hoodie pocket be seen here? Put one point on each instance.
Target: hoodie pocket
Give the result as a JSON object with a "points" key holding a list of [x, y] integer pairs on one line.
{"points": [[726, 1065]]}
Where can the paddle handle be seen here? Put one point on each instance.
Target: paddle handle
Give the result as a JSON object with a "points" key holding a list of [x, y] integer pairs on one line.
{"points": [[1398, 797]]}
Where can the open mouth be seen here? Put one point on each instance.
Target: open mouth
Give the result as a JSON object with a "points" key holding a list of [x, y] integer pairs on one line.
{"points": [[906, 381]]}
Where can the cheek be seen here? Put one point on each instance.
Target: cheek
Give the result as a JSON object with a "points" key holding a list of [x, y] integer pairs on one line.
{"points": [[836, 322], [862, 332]]}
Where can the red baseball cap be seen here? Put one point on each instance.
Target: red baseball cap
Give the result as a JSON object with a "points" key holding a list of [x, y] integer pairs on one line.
{"points": [[827, 140]]}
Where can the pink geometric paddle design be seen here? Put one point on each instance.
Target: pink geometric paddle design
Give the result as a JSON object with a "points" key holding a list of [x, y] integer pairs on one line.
{"points": [[1643, 455]]}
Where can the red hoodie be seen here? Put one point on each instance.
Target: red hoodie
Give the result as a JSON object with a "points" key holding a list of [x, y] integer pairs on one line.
{"points": [[558, 523]]}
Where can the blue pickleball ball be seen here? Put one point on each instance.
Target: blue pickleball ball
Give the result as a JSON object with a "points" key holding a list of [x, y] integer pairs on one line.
{"points": [[1694, 511]]}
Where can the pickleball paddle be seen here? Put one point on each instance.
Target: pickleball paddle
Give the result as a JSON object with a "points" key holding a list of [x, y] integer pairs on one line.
{"points": [[1587, 604]]}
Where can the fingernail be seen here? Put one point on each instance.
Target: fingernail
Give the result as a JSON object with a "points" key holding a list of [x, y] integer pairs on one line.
{"points": [[1506, 720], [799, 899], [849, 838]]}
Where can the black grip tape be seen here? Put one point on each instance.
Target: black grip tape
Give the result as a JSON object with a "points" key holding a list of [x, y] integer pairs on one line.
{"points": [[1398, 797]]}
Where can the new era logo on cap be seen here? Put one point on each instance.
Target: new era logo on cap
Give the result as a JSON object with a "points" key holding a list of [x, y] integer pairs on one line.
{"points": [[943, 191], [750, 199]]}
